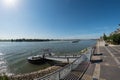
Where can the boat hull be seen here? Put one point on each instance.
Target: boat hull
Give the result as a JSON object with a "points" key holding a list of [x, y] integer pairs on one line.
{"points": [[39, 61]]}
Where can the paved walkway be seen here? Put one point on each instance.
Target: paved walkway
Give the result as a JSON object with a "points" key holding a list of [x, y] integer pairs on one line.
{"points": [[109, 68]]}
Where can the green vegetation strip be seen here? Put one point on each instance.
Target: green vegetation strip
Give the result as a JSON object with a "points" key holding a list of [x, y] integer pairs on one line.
{"points": [[112, 39], [3, 77]]}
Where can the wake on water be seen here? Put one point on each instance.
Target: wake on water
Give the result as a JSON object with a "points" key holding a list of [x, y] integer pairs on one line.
{"points": [[3, 66], [1, 54]]}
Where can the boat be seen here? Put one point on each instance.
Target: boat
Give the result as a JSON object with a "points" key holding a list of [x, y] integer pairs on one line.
{"points": [[38, 59], [75, 41]]}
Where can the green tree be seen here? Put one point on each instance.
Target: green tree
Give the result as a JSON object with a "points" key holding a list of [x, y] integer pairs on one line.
{"points": [[116, 38], [104, 37]]}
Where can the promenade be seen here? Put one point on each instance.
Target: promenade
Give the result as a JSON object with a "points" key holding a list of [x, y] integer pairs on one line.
{"points": [[109, 67]]}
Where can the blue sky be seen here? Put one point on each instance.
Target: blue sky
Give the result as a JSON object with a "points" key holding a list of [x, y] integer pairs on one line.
{"points": [[58, 18]]}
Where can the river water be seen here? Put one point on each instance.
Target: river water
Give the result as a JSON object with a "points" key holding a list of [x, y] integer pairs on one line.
{"points": [[13, 55]]}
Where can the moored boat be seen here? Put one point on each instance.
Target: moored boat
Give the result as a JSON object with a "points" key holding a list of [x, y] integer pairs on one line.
{"points": [[38, 59], [76, 41]]}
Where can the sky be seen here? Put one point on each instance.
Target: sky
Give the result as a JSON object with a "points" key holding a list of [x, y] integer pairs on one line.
{"points": [[63, 19]]}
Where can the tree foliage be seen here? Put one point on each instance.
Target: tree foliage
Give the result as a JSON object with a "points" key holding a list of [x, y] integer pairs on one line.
{"points": [[114, 39], [104, 37]]}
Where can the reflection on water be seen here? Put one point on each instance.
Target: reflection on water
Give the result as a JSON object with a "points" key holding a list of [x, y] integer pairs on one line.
{"points": [[15, 54]]}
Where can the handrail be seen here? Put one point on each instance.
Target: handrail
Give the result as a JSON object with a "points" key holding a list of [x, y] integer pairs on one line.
{"points": [[60, 73], [57, 70]]}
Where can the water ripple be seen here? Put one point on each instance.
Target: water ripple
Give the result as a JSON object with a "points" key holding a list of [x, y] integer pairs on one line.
{"points": [[3, 66]]}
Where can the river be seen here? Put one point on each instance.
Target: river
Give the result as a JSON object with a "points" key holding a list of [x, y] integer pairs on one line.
{"points": [[13, 55]]}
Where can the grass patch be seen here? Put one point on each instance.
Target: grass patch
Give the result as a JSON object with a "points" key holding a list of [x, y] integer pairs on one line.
{"points": [[83, 51], [3, 77]]}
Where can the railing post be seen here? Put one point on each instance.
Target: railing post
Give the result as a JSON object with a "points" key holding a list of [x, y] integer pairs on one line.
{"points": [[70, 67], [59, 75]]}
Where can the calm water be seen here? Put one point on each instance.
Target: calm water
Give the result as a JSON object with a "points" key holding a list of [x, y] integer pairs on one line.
{"points": [[13, 55]]}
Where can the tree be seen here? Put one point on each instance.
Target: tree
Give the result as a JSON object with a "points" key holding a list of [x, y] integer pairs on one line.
{"points": [[116, 38], [104, 37]]}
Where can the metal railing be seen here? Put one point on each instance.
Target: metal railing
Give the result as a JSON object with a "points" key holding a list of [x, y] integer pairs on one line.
{"points": [[61, 73]]}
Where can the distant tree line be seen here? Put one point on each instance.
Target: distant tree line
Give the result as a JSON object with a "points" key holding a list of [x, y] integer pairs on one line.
{"points": [[25, 40], [113, 39], [29, 40]]}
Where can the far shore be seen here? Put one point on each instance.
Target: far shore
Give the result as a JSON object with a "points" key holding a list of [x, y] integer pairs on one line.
{"points": [[39, 40]]}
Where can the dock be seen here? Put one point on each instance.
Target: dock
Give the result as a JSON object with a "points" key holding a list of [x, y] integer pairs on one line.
{"points": [[62, 58], [73, 71]]}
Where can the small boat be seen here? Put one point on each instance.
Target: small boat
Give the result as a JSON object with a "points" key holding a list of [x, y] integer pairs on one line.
{"points": [[76, 41], [38, 59]]}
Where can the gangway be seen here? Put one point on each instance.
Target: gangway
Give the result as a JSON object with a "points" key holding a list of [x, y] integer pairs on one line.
{"points": [[82, 61], [63, 58]]}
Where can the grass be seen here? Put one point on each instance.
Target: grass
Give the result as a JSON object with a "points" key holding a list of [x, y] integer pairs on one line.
{"points": [[83, 51], [3, 77]]}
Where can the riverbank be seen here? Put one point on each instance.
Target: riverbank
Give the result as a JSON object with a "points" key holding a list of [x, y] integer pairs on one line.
{"points": [[33, 75]]}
